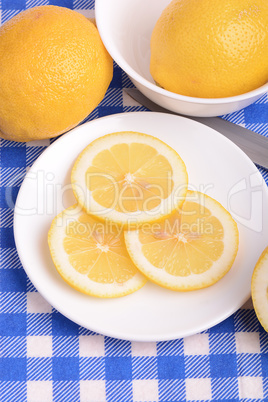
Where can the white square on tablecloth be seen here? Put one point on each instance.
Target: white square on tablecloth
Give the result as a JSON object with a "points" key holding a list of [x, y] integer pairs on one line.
{"points": [[39, 346], [250, 387], [128, 101], [86, 13], [39, 391], [248, 305], [38, 143], [92, 391], [196, 344], [143, 348], [91, 345], [198, 388], [37, 304], [145, 390], [247, 342]]}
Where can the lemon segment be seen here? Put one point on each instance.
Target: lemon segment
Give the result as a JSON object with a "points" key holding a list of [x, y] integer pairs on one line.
{"points": [[129, 178], [192, 249], [259, 289], [91, 256]]}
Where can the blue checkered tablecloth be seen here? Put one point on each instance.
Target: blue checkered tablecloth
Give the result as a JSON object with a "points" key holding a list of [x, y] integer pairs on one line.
{"points": [[45, 357]]}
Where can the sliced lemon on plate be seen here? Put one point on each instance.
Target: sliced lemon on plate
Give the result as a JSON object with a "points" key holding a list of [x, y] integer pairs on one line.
{"points": [[191, 249], [259, 289], [129, 178], [91, 255]]}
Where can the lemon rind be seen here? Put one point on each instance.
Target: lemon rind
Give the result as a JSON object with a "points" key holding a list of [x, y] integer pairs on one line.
{"points": [[259, 289]]}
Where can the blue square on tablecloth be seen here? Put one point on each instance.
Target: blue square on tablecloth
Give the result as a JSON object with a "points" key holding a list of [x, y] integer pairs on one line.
{"points": [[118, 368], [13, 302], [13, 280], [8, 196], [39, 324], [13, 4], [264, 362], [66, 391], [249, 364], [13, 346], [256, 113], [116, 347], [170, 348], [13, 324], [246, 320], [170, 367], [62, 3], [13, 156], [62, 326], [222, 343], [224, 326], [171, 390], [223, 365], [197, 366], [109, 110], [13, 369], [39, 369], [113, 99], [11, 177], [65, 346], [7, 238], [117, 77], [265, 388], [9, 259], [118, 391], [224, 389], [65, 368], [144, 367], [86, 5], [92, 368], [11, 389], [263, 340]]}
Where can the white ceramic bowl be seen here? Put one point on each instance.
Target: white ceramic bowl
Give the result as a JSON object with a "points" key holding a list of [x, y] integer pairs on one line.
{"points": [[125, 27]]}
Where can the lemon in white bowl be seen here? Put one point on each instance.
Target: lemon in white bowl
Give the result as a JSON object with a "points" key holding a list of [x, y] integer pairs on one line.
{"points": [[126, 29]]}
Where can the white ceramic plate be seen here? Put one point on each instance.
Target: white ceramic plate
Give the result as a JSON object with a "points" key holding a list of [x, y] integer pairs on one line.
{"points": [[215, 166]]}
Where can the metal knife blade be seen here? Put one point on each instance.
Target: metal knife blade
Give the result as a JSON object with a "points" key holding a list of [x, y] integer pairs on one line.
{"points": [[253, 144]]}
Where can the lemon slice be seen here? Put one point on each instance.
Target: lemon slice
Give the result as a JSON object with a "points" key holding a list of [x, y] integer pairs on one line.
{"points": [[191, 249], [91, 255], [259, 289], [129, 178]]}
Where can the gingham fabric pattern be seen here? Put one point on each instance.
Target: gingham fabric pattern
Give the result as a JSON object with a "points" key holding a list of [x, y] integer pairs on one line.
{"points": [[45, 357]]}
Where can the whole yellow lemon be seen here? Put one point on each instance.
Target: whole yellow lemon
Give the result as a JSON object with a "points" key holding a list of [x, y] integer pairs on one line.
{"points": [[54, 71], [211, 48]]}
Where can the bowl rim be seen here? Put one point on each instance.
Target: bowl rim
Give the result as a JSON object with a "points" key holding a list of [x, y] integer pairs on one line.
{"points": [[122, 63]]}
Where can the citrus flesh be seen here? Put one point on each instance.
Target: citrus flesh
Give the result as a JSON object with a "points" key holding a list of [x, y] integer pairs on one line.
{"points": [[129, 178], [54, 71], [91, 256], [211, 49], [259, 289], [192, 249]]}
